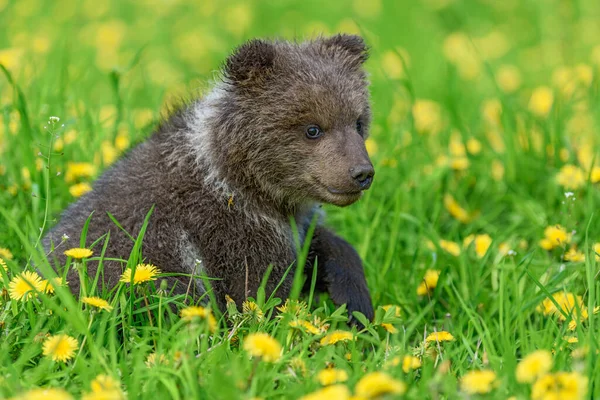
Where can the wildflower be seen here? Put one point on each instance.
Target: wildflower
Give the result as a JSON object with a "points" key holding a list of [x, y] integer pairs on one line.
{"points": [[482, 243], [554, 236], [193, 312], [541, 101], [329, 376], [392, 65], [154, 359], [143, 273], [410, 363], [478, 382], [389, 327], [595, 175], [497, 170], [568, 303], [571, 339], [371, 146], [377, 384], [264, 346], [304, 325], [450, 246], [252, 309], [298, 364], [571, 177], [429, 282], [597, 251], [24, 286], [533, 366], [80, 189], [336, 336], [5, 253], [104, 387], [97, 302], [3, 265], [49, 285], [294, 307], [473, 146], [441, 336], [561, 385], [338, 392], [456, 210], [574, 255], [396, 309], [77, 170], [45, 394], [427, 116], [60, 347], [508, 78], [78, 253]]}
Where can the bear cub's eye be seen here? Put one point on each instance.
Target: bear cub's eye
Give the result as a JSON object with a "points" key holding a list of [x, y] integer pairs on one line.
{"points": [[359, 127], [313, 131]]}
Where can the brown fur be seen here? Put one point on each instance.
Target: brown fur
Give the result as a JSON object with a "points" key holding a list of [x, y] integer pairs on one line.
{"points": [[227, 172]]}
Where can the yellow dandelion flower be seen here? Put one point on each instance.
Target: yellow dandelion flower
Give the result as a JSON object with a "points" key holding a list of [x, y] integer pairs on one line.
{"points": [[392, 65], [336, 336], [478, 382], [154, 359], [305, 326], [574, 255], [533, 366], [571, 339], [481, 243], [451, 247], [456, 210], [60, 347], [473, 146], [329, 376], [541, 101], [76, 170], [50, 285], [262, 345], [44, 394], [191, 313], [252, 309], [508, 78], [377, 384], [571, 177], [595, 175], [497, 170], [78, 253], [568, 303], [410, 363], [389, 327], [97, 302], [441, 336], [24, 286], [104, 387], [429, 282], [3, 265], [338, 392], [555, 236], [80, 189], [396, 309], [5, 253], [143, 273], [427, 116], [561, 385]]}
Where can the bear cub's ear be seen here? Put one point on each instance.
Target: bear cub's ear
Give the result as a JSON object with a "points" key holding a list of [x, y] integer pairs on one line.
{"points": [[353, 45], [250, 63]]}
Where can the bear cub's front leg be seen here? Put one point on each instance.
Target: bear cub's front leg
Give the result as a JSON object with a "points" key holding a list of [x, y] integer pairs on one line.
{"points": [[340, 272]]}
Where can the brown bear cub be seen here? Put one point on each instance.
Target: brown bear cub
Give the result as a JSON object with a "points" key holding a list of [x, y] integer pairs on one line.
{"points": [[282, 132]]}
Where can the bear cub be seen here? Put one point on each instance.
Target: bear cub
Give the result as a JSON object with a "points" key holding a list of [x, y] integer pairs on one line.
{"points": [[282, 132]]}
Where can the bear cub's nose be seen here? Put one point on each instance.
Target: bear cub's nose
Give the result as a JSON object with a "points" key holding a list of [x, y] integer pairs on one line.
{"points": [[363, 175]]}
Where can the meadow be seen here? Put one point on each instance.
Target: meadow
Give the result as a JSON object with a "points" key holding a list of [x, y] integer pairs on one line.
{"points": [[480, 234]]}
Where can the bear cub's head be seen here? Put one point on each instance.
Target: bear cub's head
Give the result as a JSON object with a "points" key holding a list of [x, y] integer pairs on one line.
{"points": [[294, 118]]}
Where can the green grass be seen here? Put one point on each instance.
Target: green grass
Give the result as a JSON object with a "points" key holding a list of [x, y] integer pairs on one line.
{"points": [[107, 69]]}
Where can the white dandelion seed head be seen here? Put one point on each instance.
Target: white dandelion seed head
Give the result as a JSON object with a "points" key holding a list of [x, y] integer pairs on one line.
{"points": [[65, 237], [511, 252], [53, 120], [569, 194]]}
